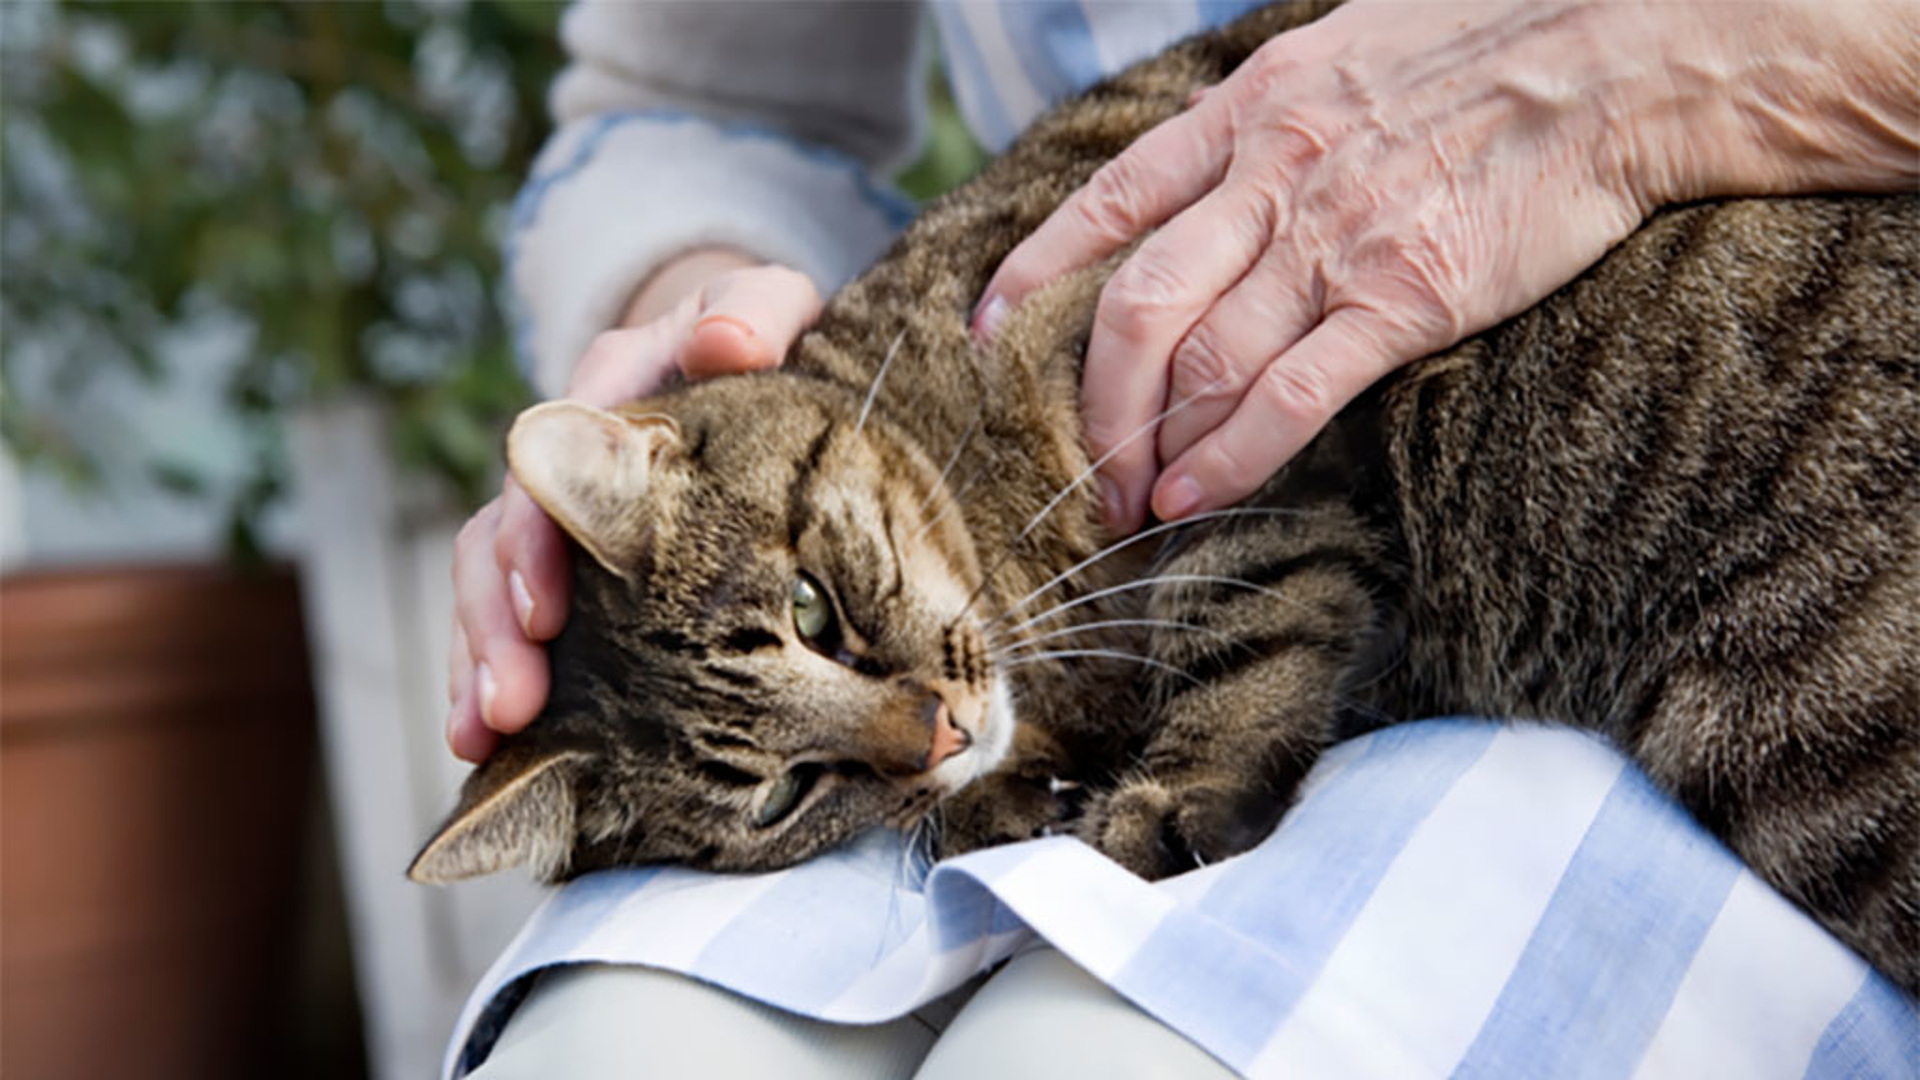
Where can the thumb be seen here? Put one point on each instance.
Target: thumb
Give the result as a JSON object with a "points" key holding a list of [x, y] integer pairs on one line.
{"points": [[748, 319]]}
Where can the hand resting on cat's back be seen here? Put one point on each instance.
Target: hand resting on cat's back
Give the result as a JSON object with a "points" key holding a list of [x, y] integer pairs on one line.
{"points": [[1675, 504]]}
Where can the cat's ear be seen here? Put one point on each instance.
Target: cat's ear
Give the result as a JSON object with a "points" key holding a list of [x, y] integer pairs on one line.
{"points": [[516, 809], [590, 470]]}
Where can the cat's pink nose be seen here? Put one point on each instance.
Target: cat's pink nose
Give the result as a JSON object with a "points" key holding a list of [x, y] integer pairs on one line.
{"points": [[948, 738]]}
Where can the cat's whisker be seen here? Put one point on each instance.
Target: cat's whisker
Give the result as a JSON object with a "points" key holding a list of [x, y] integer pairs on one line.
{"points": [[1373, 713], [1138, 433], [953, 459], [1147, 583], [952, 502], [1109, 654], [1144, 534], [880, 376], [1068, 488], [909, 872], [1105, 624], [1000, 647]]}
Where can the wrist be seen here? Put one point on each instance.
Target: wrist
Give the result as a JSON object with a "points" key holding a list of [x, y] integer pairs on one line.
{"points": [[680, 277], [1779, 98]]}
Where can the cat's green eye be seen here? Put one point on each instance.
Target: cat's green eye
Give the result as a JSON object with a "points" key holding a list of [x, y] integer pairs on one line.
{"points": [[812, 610], [785, 794]]}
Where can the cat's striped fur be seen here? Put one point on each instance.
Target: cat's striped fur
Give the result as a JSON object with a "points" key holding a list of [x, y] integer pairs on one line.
{"points": [[1675, 503]]}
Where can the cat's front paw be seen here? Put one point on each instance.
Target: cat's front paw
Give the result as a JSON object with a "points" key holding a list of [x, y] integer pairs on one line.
{"points": [[1158, 829], [1005, 808]]}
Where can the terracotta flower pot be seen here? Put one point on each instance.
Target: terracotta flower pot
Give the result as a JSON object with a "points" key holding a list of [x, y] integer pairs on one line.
{"points": [[156, 756]]}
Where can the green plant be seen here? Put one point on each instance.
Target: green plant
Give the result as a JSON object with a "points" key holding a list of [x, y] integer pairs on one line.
{"points": [[324, 184], [318, 191], [951, 155]]}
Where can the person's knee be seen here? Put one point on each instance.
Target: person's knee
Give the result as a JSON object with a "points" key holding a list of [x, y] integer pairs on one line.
{"points": [[594, 1021], [1044, 1017]]}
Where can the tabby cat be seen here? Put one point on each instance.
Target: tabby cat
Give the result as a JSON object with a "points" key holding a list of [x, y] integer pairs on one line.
{"points": [[1675, 504]]}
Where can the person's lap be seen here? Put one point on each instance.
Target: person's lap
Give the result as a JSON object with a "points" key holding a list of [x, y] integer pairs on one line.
{"points": [[1040, 1016], [1446, 895]]}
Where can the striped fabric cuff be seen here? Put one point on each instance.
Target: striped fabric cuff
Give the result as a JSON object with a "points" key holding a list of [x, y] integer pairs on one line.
{"points": [[613, 197]]}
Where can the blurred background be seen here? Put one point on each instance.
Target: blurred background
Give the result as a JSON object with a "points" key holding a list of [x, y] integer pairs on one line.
{"points": [[255, 361]]}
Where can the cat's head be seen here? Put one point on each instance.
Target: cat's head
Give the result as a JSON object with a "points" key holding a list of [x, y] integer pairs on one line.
{"points": [[771, 645]]}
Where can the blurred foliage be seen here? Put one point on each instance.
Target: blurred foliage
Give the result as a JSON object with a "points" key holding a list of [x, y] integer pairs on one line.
{"points": [[331, 180], [325, 185], [951, 155]]}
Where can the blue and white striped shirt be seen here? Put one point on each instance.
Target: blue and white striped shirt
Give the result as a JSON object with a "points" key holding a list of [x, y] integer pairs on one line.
{"points": [[1009, 60], [1449, 898]]}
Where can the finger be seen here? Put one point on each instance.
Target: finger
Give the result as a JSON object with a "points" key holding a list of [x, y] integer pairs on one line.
{"points": [[1163, 172], [467, 737], [1291, 400], [531, 554], [459, 664], [1146, 308], [621, 365], [1260, 317], [748, 319], [510, 672]]}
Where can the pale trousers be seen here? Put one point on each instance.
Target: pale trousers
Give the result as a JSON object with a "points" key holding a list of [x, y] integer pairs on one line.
{"points": [[1039, 1017]]}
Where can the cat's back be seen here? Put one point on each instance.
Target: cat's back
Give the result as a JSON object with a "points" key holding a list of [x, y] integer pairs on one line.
{"points": [[1702, 451]]}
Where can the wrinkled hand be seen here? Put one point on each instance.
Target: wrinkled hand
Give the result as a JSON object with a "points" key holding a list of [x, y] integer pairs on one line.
{"points": [[510, 571], [1363, 191]]}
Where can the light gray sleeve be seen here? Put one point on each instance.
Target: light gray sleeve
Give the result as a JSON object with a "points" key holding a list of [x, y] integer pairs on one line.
{"points": [[767, 127]]}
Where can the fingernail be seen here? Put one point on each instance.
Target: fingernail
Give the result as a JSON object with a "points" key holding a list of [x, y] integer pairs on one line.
{"points": [[715, 356], [992, 315], [738, 326], [522, 602], [1178, 499], [488, 688]]}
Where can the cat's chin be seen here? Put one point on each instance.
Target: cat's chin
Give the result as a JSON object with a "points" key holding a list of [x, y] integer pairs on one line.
{"points": [[991, 741]]}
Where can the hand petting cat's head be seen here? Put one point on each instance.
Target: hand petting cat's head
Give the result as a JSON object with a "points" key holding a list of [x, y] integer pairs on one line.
{"points": [[772, 644]]}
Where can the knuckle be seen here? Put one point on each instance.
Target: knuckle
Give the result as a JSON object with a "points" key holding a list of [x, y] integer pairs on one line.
{"points": [[608, 348], [1409, 283], [608, 343], [1305, 138], [1140, 294], [1296, 392], [1277, 58], [1262, 216], [459, 661], [1201, 368], [506, 546], [1110, 204], [1268, 74], [1434, 275], [787, 276], [476, 537], [1099, 437], [1105, 437], [473, 536]]}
